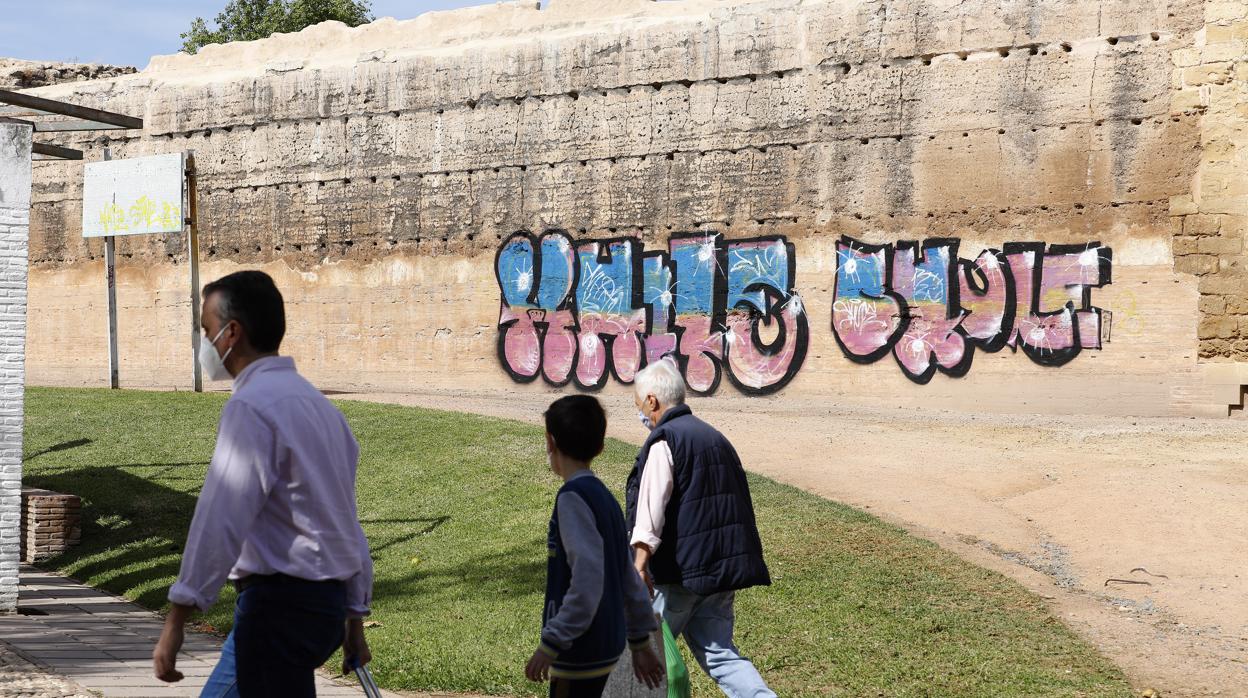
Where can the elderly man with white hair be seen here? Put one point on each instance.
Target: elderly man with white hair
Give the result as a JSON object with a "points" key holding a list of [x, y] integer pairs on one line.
{"points": [[694, 537]]}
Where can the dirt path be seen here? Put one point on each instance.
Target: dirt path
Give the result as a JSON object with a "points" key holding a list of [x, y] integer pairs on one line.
{"points": [[1060, 504]]}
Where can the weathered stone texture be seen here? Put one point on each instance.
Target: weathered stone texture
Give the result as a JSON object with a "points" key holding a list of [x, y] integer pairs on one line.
{"points": [[21, 75], [376, 170], [1211, 79]]}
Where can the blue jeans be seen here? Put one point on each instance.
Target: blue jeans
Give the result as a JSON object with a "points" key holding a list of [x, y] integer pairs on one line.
{"points": [[223, 683], [284, 629], [706, 623]]}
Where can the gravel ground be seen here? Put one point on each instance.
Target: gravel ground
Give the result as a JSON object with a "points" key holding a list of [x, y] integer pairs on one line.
{"points": [[1068, 506], [21, 679]]}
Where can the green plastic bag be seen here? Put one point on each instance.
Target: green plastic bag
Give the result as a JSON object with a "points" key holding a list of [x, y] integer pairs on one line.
{"points": [[677, 672]]}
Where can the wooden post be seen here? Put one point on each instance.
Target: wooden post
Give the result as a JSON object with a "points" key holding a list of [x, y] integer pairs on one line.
{"points": [[192, 254], [110, 272]]}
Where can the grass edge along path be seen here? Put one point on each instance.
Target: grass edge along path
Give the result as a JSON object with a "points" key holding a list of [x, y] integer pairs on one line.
{"points": [[456, 507]]}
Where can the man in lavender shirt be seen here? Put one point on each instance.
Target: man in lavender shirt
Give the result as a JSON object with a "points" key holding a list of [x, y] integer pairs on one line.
{"points": [[277, 513]]}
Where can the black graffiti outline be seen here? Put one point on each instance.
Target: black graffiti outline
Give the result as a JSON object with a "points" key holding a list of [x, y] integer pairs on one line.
{"points": [[541, 328], [953, 308], [636, 298], [718, 315], [717, 327], [1105, 273], [971, 271], [774, 301], [1058, 357], [670, 320], [1010, 333], [903, 308]]}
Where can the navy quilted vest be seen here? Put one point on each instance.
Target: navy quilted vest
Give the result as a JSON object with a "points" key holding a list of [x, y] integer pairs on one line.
{"points": [[603, 643], [710, 539]]}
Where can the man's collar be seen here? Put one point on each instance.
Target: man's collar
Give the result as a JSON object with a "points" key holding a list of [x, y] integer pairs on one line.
{"points": [[261, 365], [674, 412]]}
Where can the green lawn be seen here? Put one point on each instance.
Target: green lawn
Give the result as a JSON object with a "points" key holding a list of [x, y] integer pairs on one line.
{"points": [[456, 506]]}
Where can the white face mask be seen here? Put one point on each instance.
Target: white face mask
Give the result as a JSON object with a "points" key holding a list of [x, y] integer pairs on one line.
{"points": [[645, 421], [210, 361]]}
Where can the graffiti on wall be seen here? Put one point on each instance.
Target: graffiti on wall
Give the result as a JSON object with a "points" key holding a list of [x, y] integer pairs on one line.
{"points": [[932, 310], [583, 311]]}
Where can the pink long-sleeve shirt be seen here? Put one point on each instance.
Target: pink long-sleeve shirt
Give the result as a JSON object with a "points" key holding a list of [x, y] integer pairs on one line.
{"points": [[280, 493]]}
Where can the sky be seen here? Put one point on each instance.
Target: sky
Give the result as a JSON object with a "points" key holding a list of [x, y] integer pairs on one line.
{"points": [[129, 32]]}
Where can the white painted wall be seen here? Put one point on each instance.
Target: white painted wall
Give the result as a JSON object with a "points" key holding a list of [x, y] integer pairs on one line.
{"points": [[15, 141]]}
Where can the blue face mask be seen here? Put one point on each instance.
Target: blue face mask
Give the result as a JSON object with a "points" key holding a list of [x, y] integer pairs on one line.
{"points": [[645, 421]]}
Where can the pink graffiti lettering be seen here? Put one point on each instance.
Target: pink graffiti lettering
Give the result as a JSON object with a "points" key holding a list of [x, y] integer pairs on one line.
{"points": [[932, 309], [585, 311]]}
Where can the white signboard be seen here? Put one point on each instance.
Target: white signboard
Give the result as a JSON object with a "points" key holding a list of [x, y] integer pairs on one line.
{"points": [[133, 196]]}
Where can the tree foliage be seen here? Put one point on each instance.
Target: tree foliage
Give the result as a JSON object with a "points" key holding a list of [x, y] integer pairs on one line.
{"points": [[247, 20]]}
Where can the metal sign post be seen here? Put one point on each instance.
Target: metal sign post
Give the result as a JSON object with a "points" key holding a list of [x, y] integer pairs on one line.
{"points": [[110, 273], [192, 254]]}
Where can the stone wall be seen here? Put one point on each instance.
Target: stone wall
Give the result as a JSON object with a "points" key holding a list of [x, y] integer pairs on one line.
{"points": [[15, 173], [1211, 78], [377, 173], [16, 74]]}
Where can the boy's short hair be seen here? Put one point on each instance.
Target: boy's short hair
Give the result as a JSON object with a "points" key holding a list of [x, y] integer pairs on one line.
{"points": [[578, 425]]}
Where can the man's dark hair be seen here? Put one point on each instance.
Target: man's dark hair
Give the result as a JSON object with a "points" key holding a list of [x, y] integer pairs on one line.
{"points": [[252, 299], [578, 425]]}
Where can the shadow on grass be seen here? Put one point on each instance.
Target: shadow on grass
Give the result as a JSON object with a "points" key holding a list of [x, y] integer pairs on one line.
{"points": [[513, 572], [123, 465], [63, 446], [431, 524], [126, 523], [105, 566], [132, 525]]}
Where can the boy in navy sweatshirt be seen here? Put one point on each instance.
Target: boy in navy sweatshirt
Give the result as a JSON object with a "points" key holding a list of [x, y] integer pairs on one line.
{"points": [[594, 598]]}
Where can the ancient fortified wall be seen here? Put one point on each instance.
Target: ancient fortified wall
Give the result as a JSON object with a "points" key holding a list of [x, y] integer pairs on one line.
{"points": [[1018, 206], [20, 75]]}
